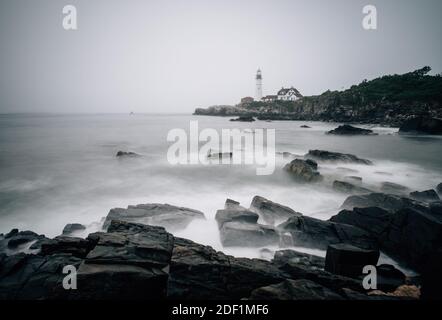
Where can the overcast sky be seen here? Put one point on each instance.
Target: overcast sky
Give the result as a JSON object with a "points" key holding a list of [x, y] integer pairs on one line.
{"points": [[175, 55]]}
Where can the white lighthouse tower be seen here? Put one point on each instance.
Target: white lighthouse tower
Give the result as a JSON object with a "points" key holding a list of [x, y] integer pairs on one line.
{"points": [[258, 94]]}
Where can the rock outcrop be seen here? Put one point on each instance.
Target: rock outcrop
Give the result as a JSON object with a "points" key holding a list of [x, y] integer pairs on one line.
{"points": [[425, 196], [171, 217], [425, 125], [347, 187], [321, 155], [271, 212], [304, 170], [350, 131], [314, 233]]}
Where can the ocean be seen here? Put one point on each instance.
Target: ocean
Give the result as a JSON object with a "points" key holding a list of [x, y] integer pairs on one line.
{"points": [[59, 169]]}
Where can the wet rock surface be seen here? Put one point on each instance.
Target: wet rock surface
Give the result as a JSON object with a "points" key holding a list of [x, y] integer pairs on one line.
{"points": [[350, 130]]}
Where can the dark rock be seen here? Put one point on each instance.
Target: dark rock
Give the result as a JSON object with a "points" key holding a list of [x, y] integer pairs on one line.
{"points": [[164, 215], [389, 278], [243, 234], [11, 233], [432, 277], [232, 204], [385, 201], [348, 260], [244, 119], [304, 170], [305, 266], [34, 277], [78, 247], [439, 188], [347, 187], [350, 130], [436, 207], [305, 127], [294, 290], [375, 221], [390, 187], [199, 272], [130, 243], [16, 238], [422, 125], [322, 155], [425, 196], [413, 237], [271, 212], [314, 233], [72, 228], [127, 154], [235, 215]]}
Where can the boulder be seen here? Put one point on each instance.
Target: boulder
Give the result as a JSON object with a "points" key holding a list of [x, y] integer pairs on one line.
{"points": [[271, 212], [389, 278], [35, 277], [77, 247], [294, 290], [348, 260], [393, 188], [306, 266], [350, 130], [244, 119], [314, 233], [347, 187], [164, 215], [381, 200], [72, 228], [439, 188], [129, 262], [424, 125], [200, 272], [305, 127], [304, 170], [244, 234], [235, 215], [425, 196], [436, 207], [353, 179], [232, 204], [413, 237], [122, 154], [15, 239], [374, 220], [322, 155]]}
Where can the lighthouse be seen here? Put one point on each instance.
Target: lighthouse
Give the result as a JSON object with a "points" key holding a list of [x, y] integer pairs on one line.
{"points": [[258, 94]]}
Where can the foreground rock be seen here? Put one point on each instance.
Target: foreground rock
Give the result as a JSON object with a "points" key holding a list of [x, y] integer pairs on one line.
{"points": [[322, 155], [409, 232], [348, 260], [199, 272], [314, 233], [350, 130], [164, 215], [439, 188], [422, 125], [271, 212], [304, 170], [16, 241], [294, 290]]}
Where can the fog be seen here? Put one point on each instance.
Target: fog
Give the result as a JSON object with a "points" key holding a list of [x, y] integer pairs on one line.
{"points": [[173, 56]]}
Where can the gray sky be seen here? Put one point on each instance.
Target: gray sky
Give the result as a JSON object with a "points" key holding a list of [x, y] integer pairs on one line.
{"points": [[173, 56]]}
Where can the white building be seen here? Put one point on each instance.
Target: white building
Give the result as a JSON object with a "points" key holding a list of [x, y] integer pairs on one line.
{"points": [[289, 94], [258, 94]]}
